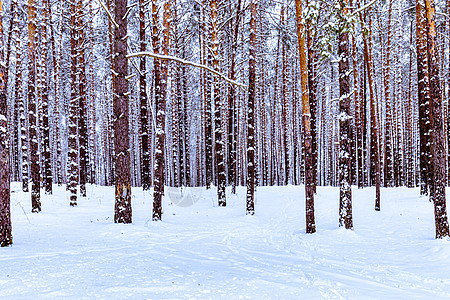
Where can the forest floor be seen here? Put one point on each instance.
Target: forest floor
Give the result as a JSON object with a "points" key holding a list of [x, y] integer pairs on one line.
{"points": [[207, 252]]}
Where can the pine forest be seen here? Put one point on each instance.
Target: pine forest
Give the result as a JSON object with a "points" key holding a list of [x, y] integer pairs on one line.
{"points": [[252, 110]]}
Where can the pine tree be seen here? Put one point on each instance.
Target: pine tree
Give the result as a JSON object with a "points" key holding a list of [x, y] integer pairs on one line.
{"points": [[82, 114], [232, 121], [437, 149], [345, 118], [47, 168], [424, 98], [5, 176], [307, 140], [122, 211], [388, 159], [251, 113], [32, 110], [19, 99], [145, 168], [160, 121], [218, 104], [72, 161]]}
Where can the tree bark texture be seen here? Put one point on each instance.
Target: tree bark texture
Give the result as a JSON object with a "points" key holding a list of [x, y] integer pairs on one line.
{"points": [[122, 212], [307, 142]]}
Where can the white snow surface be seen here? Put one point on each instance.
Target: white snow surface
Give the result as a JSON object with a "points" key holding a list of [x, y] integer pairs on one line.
{"points": [[209, 252]]}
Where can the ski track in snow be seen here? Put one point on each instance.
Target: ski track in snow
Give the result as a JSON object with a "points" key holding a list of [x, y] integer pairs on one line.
{"points": [[211, 252]]}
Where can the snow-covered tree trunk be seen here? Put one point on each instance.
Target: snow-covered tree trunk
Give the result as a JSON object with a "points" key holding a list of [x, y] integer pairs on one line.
{"points": [[82, 116], [218, 105], [143, 99], [307, 142], [46, 151], [19, 98], [388, 158], [232, 121], [122, 211], [424, 98], [91, 102], [438, 152], [56, 57], [160, 121], [284, 101], [5, 176], [251, 112], [72, 161], [32, 110], [374, 137], [208, 85], [345, 121]]}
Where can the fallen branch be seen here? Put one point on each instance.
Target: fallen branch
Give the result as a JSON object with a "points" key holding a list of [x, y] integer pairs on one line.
{"points": [[189, 63]]}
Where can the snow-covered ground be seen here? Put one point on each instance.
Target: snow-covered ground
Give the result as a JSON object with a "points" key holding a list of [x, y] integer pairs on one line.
{"points": [[209, 252]]}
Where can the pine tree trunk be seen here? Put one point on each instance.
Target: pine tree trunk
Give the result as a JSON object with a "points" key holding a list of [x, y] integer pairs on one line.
{"points": [[345, 162], [47, 170], [307, 141], [32, 110], [5, 193], [143, 99], [232, 132], [56, 69], [19, 97], [312, 85], [424, 98], [438, 151], [284, 102], [122, 211], [374, 138], [82, 119], [388, 158], [160, 122], [251, 113], [218, 104]]}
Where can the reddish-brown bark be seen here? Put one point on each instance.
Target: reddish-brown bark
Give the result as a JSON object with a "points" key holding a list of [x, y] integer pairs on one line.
{"points": [[122, 212], [307, 142]]}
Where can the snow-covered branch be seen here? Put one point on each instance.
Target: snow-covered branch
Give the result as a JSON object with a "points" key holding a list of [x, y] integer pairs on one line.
{"points": [[108, 13], [364, 7], [188, 63]]}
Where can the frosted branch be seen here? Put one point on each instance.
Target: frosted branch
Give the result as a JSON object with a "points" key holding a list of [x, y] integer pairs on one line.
{"points": [[189, 63]]}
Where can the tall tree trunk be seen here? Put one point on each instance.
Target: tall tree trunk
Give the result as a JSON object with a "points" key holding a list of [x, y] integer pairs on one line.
{"points": [[251, 113], [122, 211], [15, 160], [312, 85], [47, 170], [56, 69], [388, 162], [19, 96], [5, 193], [284, 102], [424, 98], [73, 109], [345, 142], [307, 142], [82, 118], [358, 149], [218, 104], [438, 151], [145, 168], [160, 122], [32, 110], [232, 120], [374, 138]]}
